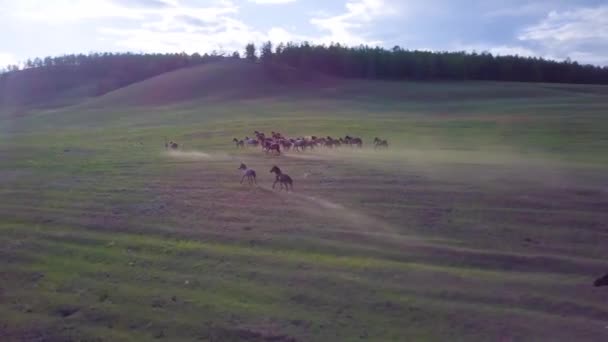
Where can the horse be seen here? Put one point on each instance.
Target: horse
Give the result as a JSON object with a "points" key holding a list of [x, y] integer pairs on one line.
{"points": [[239, 143], [251, 142], [286, 144], [270, 146], [299, 145], [353, 141], [281, 178], [379, 143], [249, 173], [259, 136], [172, 145], [603, 281], [331, 142]]}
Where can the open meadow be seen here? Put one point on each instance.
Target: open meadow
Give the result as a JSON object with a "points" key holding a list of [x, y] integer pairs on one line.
{"points": [[486, 219]]}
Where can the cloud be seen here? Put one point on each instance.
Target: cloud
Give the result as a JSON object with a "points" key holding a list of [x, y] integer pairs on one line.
{"points": [[581, 33], [7, 59], [200, 29], [343, 28], [177, 27], [281, 35], [271, 2], [145, 3], [65, 11], [580, 24], [496, 50], [525, 9]]}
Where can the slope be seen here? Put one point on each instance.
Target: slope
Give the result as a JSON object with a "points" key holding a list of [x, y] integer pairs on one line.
{"points": [[223, 80], [485, 220]]}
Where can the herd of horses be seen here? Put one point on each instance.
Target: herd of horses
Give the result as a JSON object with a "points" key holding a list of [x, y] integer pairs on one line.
{"points": [[275, 142]]}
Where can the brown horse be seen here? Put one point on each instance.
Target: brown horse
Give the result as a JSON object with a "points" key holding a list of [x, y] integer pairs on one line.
{"points": [[353, 141], [271, 146], [379, 143], [172, 145], [281, 178], [249, 173], [239, 143], [603, 281]]}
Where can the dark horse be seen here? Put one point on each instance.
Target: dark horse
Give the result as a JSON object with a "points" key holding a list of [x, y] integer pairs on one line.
{"points": [[172, 145], [281, 178], [353, 141], [239, 143], [603, 281], [249, 173], [379, 143], [271, 146]]}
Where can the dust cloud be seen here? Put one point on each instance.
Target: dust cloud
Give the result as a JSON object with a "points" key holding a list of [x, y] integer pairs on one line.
{"points": [[193, 155]]}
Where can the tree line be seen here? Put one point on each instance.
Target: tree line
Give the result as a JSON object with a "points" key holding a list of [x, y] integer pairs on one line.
{"points": [[78, 75], [401, 64]]}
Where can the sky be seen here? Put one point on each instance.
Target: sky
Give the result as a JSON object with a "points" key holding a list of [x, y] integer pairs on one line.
{"points": [[554, 29]]}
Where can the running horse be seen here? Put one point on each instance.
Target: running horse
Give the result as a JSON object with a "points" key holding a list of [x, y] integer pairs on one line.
{"points": [[283, 179], [249, 173]]}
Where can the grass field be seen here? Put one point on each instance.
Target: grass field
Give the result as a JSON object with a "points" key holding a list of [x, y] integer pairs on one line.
{"points": [[485, 220]]}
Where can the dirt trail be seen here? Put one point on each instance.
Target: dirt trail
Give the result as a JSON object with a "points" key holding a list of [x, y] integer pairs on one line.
{"points": [[198, 155], [190, 155], [320, 207]]}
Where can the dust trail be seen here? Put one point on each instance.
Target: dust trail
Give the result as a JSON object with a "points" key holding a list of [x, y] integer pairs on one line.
{"points": [[322, 202], [193, 155], [324, 208], [304, 156]]}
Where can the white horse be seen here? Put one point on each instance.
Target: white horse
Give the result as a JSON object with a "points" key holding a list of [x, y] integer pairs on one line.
{"points": [[249, 173]]}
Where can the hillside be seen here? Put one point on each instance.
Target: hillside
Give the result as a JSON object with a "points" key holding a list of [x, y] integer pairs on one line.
{"points": [[54, 82], [484, 220], [69, 79], [224, 80]]}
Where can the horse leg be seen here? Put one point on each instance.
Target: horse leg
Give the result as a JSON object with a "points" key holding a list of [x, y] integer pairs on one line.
{"points": [[275, 183], [242, 179]]}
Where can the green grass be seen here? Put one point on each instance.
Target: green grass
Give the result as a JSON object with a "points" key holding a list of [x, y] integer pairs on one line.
{"points": [[483, 221]]}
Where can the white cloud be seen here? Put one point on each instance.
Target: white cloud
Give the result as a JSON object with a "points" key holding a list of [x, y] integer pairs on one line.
{"points": [[201, 29], [497, 50], [7, 59], [359, 13], [281, 35], [63, 11], [157, 25], [271, 2], [152, 25], [525, 9], [584, 23], [579, 34]]}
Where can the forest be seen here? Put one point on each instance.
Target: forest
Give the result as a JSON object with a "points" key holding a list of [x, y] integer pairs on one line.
{"points": [[41, 79], [401, 64]]}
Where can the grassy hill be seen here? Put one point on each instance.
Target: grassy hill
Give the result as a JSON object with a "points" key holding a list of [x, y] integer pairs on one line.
{"points": [[485, 220], [224, 81]]}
